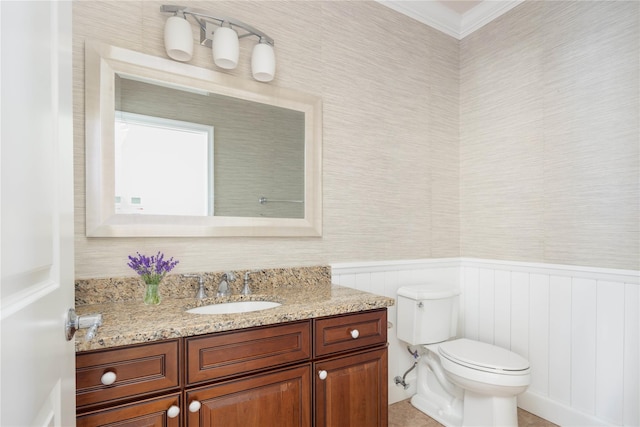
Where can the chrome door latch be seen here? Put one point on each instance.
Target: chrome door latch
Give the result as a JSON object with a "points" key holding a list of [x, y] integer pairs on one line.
{"points": [[75, 322]]}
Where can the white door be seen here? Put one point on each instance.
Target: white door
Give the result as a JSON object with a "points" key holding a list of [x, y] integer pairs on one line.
{"points": [[36, 214]]}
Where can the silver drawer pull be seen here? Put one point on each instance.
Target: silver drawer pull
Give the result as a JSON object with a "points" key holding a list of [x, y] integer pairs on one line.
{"points": [[355, 334]]}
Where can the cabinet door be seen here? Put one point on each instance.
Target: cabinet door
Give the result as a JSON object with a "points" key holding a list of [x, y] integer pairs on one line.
{"points": [[351, 391], [150, 413], [280, 399]]}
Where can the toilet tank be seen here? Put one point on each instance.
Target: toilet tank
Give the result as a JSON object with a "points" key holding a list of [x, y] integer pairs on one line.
{"points": [[427, 313]]}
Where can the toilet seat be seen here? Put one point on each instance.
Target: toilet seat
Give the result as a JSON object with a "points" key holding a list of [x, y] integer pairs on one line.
{"points": [[483, 357], [483, 368]]}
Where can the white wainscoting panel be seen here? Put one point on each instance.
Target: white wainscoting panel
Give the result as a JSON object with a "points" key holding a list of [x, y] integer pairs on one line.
{"points": [[631, 388], [539, 331], [519, 313], [559, 342], [502, 295], [583, 345], [578, 326], [610, 351]]}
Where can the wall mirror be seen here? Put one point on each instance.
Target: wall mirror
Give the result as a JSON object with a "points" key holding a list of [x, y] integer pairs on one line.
{"points": [[177, 150]]}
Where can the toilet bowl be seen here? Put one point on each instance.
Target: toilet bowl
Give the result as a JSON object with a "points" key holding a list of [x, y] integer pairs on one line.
{"points": [[461, 382], [484, 368]]}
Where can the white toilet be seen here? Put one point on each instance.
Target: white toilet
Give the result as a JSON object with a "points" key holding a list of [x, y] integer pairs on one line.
{"points": [[461, 382]]}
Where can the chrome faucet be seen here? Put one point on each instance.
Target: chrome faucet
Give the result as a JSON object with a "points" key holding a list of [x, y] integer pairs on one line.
{"points": [[223, 287], [201, 293], [246, 290]]}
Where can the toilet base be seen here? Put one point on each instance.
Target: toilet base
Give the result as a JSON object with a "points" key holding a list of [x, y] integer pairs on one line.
{"points": [[459, 407], [482, 410], [432, 399], [478, 410], [449, 417]]}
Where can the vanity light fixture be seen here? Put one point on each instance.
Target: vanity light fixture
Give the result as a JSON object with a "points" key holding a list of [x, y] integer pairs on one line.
{"points": [[222, 35], [178, 40]]}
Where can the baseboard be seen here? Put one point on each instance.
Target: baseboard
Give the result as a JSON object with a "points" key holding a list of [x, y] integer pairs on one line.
{"points": [[556, 412]]}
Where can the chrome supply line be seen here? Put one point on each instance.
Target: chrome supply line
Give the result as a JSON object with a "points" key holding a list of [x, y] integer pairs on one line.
{"points": [[401, 380]]}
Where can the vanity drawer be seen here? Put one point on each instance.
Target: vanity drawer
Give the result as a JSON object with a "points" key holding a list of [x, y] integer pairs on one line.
{"points": [[138, 370], [349, 332], [151, 412], [226, 354]]}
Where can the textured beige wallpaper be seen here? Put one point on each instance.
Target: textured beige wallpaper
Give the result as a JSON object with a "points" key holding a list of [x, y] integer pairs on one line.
{"points": [[550, 135], [390, 93], [520, 143]]}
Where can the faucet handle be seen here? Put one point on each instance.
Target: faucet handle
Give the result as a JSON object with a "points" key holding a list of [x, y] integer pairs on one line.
{"points": [[247, 273], [246, 290], [230, 276], [201, 293]]}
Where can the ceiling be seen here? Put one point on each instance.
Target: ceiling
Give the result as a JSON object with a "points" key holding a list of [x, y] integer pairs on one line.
{"points": [[458, 18]]}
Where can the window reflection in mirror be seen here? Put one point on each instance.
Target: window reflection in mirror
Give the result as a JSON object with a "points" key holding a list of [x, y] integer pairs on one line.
{"points": [[162, 166], [254, 155]]}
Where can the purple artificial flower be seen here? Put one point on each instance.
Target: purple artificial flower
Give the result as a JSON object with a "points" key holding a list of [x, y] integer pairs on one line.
{"points": [[152, 269]]}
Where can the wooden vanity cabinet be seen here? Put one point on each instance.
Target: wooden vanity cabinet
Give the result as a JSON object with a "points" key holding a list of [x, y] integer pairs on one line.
{"points": [[269, 376], [351, 370], [261, 377]]}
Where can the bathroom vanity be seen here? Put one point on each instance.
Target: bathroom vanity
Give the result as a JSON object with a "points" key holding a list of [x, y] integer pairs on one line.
{"points": [[317, 360]]}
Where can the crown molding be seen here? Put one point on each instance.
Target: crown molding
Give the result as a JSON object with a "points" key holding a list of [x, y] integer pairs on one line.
{"points": [[430, 13], [440, 17], [484, 13]]}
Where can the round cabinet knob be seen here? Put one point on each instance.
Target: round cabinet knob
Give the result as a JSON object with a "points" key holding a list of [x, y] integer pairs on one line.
{"points": [[322, 374], [355, 334], [173, 411], [194, 406], [108, 378]]}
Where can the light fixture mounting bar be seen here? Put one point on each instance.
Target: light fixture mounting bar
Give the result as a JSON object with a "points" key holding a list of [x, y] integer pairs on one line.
{"points": [[202, 18]]}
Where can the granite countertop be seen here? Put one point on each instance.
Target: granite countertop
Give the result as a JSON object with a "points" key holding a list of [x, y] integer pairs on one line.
{"points": [[133, 322]]}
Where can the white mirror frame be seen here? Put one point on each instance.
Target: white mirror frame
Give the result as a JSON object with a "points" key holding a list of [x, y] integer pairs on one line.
{"points": [[102, 63]]}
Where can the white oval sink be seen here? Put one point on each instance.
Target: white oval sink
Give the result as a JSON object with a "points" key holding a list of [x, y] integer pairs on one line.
{"points": [[234, 307]]}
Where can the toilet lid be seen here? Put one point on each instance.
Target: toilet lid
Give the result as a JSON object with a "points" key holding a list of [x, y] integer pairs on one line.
{"points": [[483, 356], [428, 291]]}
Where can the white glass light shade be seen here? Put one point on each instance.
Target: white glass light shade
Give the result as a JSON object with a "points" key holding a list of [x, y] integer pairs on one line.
{"points": [[226, 48], [263, 62], [178, 39]]}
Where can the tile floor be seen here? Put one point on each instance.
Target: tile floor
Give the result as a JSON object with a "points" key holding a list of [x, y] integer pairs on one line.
{"points": [[402, 414]]}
